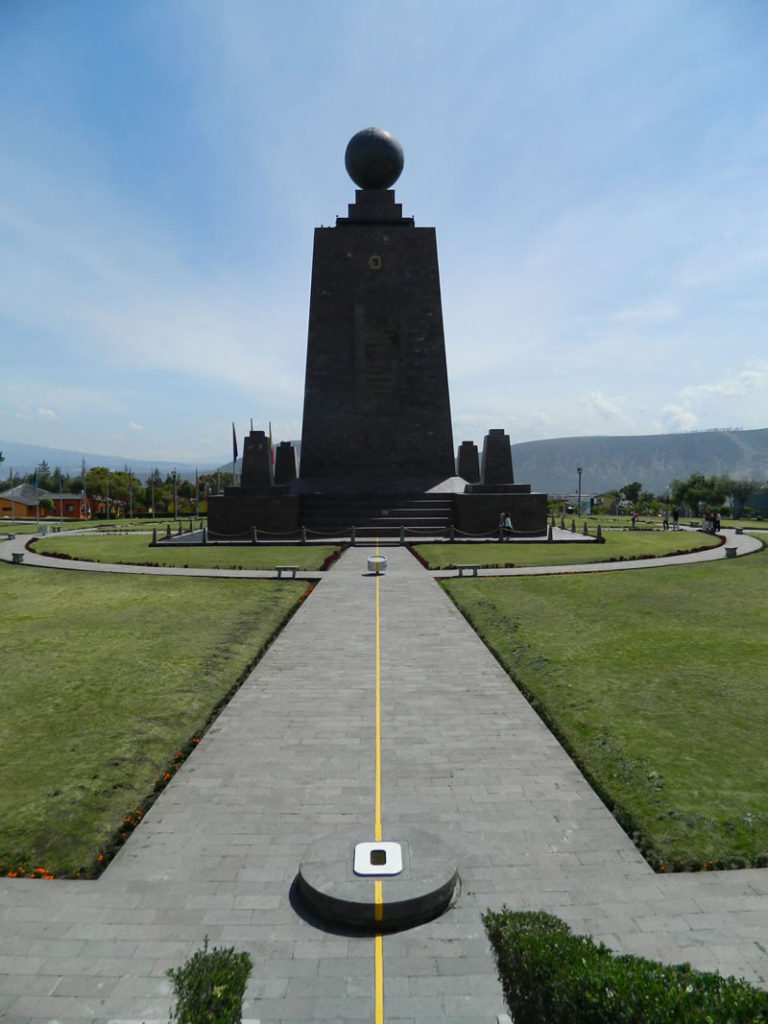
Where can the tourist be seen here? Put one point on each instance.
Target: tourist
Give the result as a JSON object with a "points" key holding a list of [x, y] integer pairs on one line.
{"points": [[675, 518], [665, 520]]}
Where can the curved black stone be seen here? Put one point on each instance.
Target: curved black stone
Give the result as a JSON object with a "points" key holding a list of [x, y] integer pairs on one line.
{"points": [[423, 890]]}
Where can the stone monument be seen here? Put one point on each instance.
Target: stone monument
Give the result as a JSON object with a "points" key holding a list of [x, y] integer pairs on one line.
{"points": [[376, 446], [376, 408]]}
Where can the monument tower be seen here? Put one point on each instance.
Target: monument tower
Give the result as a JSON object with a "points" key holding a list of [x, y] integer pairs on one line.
{"points": [[376, 447], [376, 406]]}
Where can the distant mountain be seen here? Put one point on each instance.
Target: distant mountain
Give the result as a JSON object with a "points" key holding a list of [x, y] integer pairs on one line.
{"points": [[23, 458], [550, 466], [655, 460]]}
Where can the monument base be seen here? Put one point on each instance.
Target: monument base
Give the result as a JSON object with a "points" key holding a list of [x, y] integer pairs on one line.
{"points": [[413, 515], [235, 514], [479, 514]]}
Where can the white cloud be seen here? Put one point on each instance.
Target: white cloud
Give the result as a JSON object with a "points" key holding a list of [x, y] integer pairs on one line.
{"points": [[135, 426], [678, 418], [743, 382], [47, 414], [614, 408]]}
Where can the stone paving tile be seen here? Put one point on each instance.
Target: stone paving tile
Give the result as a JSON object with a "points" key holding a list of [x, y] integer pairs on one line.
{"points": [[291, 759]]}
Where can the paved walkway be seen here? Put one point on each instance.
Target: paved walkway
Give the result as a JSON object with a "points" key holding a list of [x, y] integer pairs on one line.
{"points": [[291, 759]]}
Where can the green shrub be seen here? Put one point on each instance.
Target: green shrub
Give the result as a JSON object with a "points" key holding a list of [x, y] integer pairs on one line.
{"points": [[210, 986], [550, 976]]}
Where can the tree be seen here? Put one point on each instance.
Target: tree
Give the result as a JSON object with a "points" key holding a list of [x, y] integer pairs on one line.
{"points": [[647, 501], [46, 481], [699, 491], [631, 492], [738, 491]]}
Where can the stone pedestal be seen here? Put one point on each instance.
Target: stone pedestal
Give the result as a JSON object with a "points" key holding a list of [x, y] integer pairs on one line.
{"points": [[285, 464], [468, 462], [497, 459], [256, 475]]}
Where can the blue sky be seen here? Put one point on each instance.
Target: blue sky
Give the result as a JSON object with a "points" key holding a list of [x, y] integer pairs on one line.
{"points": [[597, 172]]}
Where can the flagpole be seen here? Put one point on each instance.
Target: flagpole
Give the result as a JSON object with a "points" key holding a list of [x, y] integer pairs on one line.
{"points": [[61, 499]]}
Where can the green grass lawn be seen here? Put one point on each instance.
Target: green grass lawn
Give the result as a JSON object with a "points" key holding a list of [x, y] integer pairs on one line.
{"points": [[135, 549], [657, 683], [618, 544], [105, 679], [94, 525]]}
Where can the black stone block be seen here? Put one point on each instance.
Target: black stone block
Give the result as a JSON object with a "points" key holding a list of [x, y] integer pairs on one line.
{"points": [[285, 463], [468, 462], [497, 458], [256, 475]]}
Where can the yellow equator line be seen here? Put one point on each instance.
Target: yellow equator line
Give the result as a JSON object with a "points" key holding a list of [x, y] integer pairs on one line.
{"points": [[378, 902]]}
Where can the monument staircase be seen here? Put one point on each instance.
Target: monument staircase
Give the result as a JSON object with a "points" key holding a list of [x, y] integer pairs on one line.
{"points": [[377, 515]]}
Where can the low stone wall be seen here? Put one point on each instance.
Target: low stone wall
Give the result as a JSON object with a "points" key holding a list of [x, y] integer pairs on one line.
{"points": [[479, 513], [233, 517]]}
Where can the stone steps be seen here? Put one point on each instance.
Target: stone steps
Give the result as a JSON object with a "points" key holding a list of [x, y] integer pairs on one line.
{"points": [[379, 514]]}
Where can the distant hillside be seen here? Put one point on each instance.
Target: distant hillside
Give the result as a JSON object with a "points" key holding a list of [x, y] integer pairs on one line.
{"points": [[655, 460], [23, 458], [550, 466]]}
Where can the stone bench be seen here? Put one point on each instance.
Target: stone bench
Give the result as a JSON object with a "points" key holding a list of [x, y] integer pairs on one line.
{"points": [[292, 569], [730, 552], [465, 568], [17, 557]]}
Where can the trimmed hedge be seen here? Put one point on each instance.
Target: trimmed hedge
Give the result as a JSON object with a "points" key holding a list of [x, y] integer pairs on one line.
{"points": [[210, 986], [551, 976]]}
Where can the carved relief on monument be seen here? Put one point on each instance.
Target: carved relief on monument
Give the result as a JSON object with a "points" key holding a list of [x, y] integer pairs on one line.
{"points": [[377, 362]]}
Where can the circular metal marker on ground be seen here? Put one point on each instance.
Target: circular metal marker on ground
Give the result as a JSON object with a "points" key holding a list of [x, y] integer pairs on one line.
{"points": [[377, 563], [423, 888]]}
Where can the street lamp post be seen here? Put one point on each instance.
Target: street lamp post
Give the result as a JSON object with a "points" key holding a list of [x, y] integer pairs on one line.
{"points": [[578, 470]]}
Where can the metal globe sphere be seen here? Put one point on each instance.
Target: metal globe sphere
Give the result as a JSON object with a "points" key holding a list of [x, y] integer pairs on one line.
{"points": [[374, 158]]}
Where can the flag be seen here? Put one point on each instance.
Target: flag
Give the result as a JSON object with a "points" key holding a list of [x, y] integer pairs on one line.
{"points": [[234, 443]]}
